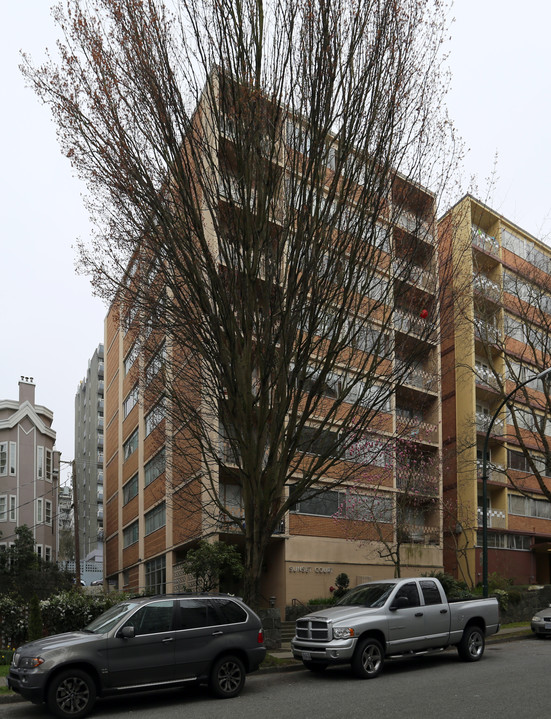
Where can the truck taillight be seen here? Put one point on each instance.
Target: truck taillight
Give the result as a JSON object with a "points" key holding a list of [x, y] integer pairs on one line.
{"points": [[260, 636]]}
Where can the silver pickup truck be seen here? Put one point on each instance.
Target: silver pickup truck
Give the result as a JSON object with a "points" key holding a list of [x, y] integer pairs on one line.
{"points": [[390, 618]]}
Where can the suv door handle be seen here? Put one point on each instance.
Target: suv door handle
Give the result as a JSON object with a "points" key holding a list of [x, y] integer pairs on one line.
{"points": [[418, 614], [217, 634], [443, 611], [167, 639]]}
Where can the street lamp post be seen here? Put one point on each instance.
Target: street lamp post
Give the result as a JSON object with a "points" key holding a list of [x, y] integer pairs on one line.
{"points": [[485, 478]]}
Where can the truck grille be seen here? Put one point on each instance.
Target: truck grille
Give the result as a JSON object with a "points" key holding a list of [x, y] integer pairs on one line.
{"points": [[314, 629]]}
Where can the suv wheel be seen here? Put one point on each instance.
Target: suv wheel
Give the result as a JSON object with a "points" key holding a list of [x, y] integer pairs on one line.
{"points": [[72, 693], [227, 677]]}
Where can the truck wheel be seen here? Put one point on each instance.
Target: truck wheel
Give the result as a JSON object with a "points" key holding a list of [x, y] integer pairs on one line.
{"points": [[315, 667], [368, 659], [471, 646], [227, 677], [72, 693]]}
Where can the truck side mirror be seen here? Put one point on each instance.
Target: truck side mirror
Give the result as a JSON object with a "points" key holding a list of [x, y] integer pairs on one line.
{"points": [[399, 603], [127, 632]]}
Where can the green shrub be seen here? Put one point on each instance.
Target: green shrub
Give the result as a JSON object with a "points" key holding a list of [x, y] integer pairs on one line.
{"points": [[13, 620], [5, 656], [71, 611], [496, 581], [342, 581], [35, 628]]}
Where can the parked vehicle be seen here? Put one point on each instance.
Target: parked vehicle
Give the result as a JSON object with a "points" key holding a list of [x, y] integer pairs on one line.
{"points": [[390, 618], [144, 643], [541, 623]]}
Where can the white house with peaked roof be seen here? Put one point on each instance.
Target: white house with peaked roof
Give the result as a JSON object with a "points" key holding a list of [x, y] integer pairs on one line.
{"points": [[29, 471]]}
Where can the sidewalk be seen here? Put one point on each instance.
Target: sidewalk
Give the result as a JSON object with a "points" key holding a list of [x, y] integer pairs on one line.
{"points": [[284, 654]]}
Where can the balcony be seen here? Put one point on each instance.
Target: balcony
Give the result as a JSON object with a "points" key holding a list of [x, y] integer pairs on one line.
{"points": [[495, 518], [487, 287], [419, 378], [415, 429], [483, 422], [484, 241], [495, 472], [408, 323], [485, 377], [419, 276], [418, 534], [486, 331], [415, 225]]}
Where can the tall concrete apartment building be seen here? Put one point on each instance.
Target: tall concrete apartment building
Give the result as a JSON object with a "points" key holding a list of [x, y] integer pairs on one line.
{"points": [[29, 471], [501, 337], [88, 468], [147, 535]]}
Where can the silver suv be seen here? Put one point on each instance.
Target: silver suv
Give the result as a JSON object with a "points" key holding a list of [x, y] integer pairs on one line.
{"points": [[142, 644]]}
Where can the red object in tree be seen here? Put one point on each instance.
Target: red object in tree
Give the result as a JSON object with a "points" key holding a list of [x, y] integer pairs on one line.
{"points": [[424, 314]]}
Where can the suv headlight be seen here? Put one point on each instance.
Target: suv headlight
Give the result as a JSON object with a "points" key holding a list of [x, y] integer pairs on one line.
{"points": [[537, 619], [30, 662], [343, 632]]}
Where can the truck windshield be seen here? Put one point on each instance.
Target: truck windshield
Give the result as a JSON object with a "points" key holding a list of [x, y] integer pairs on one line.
{"points": [[369, 595], [106, 621]]}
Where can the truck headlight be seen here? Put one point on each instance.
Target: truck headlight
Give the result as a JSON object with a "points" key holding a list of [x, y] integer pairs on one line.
{"points": [[30, 662], [343, 632]]}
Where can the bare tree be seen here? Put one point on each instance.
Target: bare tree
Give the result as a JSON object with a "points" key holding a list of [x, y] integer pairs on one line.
{"points": [[390, 516], [256, 175]]}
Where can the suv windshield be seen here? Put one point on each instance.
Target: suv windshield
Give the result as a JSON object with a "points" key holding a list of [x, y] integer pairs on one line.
{"points": [[106, 621], [370, 595]]}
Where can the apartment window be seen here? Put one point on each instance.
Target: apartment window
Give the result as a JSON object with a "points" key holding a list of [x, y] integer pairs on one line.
{"points": [[40, 462], [155, 519], [155, 467], [47, 553], [130, 534], [156, 364], [325, 504], [39, 552], [48, 512], [39, 511], [13, 458], [130, 489], [130, 401], [48, 465], [3, 459], [155, 417], [3, 508], [13, 508], [131, 445], [528, 507], [130, 358], [155, 576]]}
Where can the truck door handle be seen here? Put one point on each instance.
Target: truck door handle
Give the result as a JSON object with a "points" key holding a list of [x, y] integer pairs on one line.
{"points": [[167, 640], [443, 611], [418, 614], [217, 634]]}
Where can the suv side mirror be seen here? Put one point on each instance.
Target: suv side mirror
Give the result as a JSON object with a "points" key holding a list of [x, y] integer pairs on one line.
{"points": [[399, 603], [127, 632]]}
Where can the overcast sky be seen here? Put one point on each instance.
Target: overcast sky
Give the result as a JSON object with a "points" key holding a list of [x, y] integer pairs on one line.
{"points": [[51, 323]]}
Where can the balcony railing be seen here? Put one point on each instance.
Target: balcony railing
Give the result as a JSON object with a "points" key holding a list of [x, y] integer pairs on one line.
{"points": [[483, 422], [485, 331], [495, 518], [416, 430], [419, 534], [495, 472], [484, 241], [409, 323], [487, 287], [419, 378], [415, 225], [485, 376]]}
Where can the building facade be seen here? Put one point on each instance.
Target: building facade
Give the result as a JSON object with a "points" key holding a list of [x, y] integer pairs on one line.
{"points": [[88, 467], [147, 533], [501, 326], [29, 472]]}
